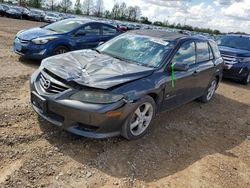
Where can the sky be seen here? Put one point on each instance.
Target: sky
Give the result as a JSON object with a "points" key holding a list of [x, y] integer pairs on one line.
{"points": [[224, 15]]}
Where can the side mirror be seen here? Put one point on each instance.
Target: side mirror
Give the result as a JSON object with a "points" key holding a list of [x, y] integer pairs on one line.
{"points": [[181, 67]]}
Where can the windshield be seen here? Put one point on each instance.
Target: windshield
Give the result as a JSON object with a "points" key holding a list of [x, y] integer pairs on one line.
{"points": [[17, 9], [64, 26], [143, 50], [238, 42]]}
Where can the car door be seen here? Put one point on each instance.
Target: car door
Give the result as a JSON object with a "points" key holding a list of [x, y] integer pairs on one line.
{"points": [[180, 89], [87, 37], [206, 66], [108, 32]]}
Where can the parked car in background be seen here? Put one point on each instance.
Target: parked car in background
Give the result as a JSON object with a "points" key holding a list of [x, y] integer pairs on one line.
{"points": [[122, 27], [51, 17], [61, 37], [36, 14], [25, 12], [14, 12], [2, 11], [235, 50], [63, 16], [118, 88]]}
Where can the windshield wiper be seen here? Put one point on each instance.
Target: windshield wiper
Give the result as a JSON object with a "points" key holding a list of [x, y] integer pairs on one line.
{"points": [[98, 51], [51, 29]]}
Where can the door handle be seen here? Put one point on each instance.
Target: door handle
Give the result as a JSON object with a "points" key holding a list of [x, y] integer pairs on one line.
{"points": [[197, 71]]}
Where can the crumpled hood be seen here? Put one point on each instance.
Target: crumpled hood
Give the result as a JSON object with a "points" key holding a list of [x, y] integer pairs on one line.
{"points": [[234, 51], [34, 33], [89, 68]]}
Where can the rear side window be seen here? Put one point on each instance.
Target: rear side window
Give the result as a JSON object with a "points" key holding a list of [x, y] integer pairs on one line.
{"points": [[107, 30], [202, 51], [215, 49], [185, 54]]}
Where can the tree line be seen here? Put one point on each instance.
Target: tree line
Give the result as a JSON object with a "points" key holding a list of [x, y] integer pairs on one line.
{"points": [[96, 8]]}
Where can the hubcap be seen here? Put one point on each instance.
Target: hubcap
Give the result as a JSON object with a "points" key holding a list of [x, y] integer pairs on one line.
{"points": [[61, 51], [248, 78], [211, 90], [141, 119]]}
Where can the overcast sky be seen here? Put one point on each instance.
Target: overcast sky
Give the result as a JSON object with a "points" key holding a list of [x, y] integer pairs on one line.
{"points": [[225, 15]]}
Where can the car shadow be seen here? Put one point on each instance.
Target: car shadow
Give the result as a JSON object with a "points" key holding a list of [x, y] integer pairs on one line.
{"points": [[177, 139], [29, 62], [235, 83]]}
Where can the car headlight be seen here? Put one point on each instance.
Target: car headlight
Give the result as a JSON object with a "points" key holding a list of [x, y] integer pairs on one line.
{"points": [[245, 60], [43, 40], [96, 97]]}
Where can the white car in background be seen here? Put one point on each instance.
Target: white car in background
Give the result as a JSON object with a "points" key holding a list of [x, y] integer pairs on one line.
{"points": [[51, 17]]}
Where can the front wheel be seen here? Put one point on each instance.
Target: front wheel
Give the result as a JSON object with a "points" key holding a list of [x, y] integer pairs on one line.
{"points": [[140, 120], [247, 79], [209, 92], [60, 50]]}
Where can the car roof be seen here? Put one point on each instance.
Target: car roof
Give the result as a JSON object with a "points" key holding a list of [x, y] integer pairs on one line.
{"points": [[87, 20], [238, 35], [165, 35]]}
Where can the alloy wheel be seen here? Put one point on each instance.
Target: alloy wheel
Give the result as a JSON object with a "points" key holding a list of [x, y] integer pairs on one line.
{"points": [[211, 90], [141, 119], [61, 51], [248, 78]]}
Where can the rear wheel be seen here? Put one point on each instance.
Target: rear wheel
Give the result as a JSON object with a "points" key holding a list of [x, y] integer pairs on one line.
{"points": [[60, 50], [247, 79], [209, 92], [140, 120]]}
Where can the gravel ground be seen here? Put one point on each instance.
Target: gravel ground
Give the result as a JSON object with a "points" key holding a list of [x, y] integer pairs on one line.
{"points": [[196, 145]]}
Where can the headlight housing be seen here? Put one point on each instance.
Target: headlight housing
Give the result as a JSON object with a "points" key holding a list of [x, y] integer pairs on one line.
{"points": [[245, 59], [43, 40], [97, 97]]}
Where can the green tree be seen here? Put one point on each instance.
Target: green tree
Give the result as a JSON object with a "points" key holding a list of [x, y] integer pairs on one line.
{"points": [[123, 11], [35, 3], [50, 4], [66, 5], [131, 13], [145, 20], [115, 13], [88, 7], [78, 7], [107, 14], [99, 8], [158, 23]]}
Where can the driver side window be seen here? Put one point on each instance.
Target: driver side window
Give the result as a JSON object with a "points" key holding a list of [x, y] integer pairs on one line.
{"points": [[92, 30], [185, 54], [89, 30]]}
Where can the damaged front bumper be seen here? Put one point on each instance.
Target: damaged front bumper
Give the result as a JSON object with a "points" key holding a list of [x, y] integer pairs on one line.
{"points": [[84, 119]]}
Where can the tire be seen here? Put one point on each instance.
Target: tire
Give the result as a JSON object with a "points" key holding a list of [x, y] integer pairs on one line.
{"points": [[246, 81], [208, 95], [60, 50], [140, 120]]}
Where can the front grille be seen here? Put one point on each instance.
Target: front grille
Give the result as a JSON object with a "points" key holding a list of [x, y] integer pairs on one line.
{"points": [[22, 41], [50, 85], [229, 59]]}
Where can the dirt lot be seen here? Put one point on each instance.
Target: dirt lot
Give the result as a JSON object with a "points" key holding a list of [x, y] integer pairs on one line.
{"points": [[196, 145]]}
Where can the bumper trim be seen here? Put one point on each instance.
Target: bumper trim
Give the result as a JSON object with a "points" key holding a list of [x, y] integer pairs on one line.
{"points": [[74, 129]]}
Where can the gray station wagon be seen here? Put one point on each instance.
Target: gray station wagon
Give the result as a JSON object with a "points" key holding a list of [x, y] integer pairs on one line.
{"points": [[119, 87]]}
